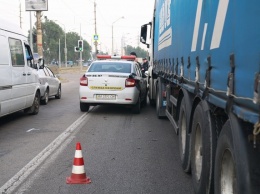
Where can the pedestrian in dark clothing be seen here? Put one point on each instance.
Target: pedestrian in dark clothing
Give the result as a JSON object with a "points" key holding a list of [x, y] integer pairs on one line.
{"points": [[136, 60], [145, 65]]}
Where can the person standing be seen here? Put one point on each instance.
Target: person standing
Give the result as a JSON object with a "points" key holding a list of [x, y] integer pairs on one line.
{"points": [[136, 60], [145, 65]]}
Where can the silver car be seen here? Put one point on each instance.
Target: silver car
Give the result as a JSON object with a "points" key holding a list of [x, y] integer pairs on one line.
{"points": [[50, 85]]}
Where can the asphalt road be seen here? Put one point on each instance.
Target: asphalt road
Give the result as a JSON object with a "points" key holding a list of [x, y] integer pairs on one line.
{"points": [[123, 152]]}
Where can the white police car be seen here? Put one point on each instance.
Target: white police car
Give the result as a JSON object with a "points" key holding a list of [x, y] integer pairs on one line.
{"points": [[113, 80]]}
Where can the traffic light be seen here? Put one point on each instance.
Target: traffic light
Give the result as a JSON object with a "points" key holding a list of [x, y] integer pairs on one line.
{"points": [[76, 49], [80, 45]]}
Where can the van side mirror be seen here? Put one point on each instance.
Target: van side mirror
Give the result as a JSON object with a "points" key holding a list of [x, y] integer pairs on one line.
{"points": [[41, 63]]}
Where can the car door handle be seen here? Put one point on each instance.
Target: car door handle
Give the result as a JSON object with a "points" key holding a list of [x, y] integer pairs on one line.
{"points": [[28, 73], [24, 74]]}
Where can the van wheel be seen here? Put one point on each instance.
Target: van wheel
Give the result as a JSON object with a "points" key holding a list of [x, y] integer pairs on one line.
{"points": [[58, 95], [84, 107], [34, 109], [137, 107], [45, 99]]}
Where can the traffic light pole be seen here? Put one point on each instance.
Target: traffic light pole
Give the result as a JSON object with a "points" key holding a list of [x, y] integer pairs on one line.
{"points": [[80, 55]]}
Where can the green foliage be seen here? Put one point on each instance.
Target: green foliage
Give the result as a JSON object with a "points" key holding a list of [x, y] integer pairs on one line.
{"points": [[141, 53], [52, 33]]}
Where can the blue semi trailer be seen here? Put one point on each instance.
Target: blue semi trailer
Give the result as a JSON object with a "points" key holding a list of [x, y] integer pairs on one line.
{"points": [[205, 77]]}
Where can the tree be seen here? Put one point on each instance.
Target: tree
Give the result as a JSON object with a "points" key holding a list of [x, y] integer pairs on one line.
{"points": [[51, 34], [141, 53]]}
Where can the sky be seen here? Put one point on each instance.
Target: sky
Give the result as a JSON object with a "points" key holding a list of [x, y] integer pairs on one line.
{"points": [[78, 16]]}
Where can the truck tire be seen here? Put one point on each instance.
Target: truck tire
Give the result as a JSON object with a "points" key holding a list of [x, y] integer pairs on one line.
{"points": [[183, 134], [151, 100], [203, 147], [225, 163], [34, 109], [160, 111], [237, 162]]}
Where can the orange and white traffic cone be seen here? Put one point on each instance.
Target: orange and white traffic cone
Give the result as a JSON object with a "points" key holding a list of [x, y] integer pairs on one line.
{"points": [[78, 175]]}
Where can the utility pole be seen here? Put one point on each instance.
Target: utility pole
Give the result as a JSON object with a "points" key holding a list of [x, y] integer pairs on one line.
{"points": [[65, 49], [59, 56], [20, 15], [95, 19], [31, 37], [39, 33]]}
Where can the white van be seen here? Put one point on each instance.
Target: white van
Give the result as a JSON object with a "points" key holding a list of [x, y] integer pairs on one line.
{"points": [[19, 83]]}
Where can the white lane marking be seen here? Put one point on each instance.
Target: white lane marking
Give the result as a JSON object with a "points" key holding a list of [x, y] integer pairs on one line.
{"points": [[219, 23], [204, 36], [196, 26], [33, 129], [61, 141]]}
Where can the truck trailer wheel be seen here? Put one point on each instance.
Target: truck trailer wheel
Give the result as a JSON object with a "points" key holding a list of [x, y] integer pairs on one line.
{"points": [[225, 177], [203, 147], [237, 162], [183, 134]]}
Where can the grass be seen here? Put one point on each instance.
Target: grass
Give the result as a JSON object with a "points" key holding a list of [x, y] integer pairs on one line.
{"points": [[66, 70], [76, 69]]}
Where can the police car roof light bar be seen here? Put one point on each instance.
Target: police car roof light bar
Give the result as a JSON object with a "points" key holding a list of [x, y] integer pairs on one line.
{"points": [[125, 57]]}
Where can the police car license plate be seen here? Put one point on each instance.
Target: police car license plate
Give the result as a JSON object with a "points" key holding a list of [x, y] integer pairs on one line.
{"points": [[105, 97]]}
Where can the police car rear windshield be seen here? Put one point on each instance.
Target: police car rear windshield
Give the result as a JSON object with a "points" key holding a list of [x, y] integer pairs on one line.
{"points": [[110, 67]]}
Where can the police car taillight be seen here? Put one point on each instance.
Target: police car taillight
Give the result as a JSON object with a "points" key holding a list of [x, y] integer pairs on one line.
{"points": [[130, 82], [84, 81], [124, 57]]}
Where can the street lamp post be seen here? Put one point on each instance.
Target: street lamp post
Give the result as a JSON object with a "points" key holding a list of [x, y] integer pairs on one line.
{"points": [[65, 44], [113, 33], [65, 49]]}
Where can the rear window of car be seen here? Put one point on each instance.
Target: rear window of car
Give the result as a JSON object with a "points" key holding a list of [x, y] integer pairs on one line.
{"points": [[110, 67]]}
